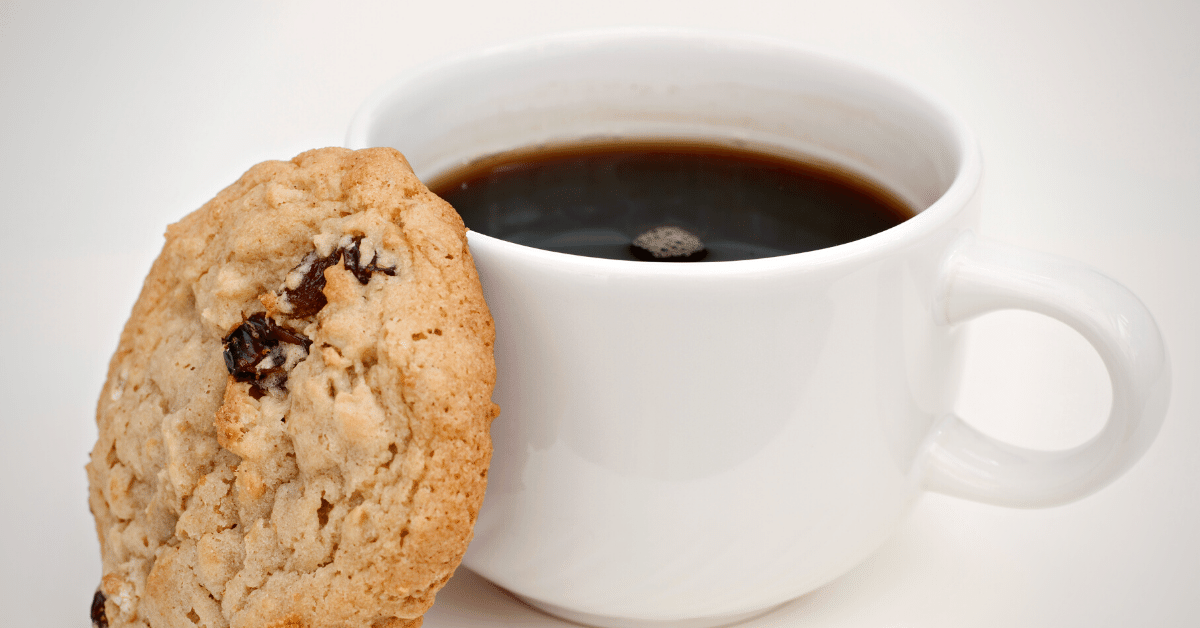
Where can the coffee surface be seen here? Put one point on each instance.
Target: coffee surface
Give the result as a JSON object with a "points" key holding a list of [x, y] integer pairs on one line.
{"points": [[594, 199]]}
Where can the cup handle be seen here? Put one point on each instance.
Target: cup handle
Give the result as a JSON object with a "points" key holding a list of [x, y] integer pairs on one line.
{"points": [[980, 276]]}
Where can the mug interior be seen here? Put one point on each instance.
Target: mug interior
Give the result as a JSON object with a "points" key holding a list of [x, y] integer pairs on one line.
{"points": [[743, 92]]}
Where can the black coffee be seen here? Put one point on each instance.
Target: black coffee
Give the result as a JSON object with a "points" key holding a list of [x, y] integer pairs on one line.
{"points": [[594, 199]]}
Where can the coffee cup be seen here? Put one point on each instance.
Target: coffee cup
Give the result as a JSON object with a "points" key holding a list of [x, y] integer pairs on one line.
{"points": [[689, 445]]}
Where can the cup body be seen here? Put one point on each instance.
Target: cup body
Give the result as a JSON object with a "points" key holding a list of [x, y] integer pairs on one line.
{"points": [[688, 444]]}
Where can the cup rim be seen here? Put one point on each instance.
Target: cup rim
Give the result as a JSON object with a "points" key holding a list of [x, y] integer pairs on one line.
{"points": [[953, 200]]}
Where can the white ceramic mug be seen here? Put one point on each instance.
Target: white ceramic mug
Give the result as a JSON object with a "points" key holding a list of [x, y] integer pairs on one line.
{"points": [[692, 444]]}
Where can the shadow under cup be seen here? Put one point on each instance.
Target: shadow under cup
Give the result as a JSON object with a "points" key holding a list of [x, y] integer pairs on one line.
{"points": [[671, 450]]}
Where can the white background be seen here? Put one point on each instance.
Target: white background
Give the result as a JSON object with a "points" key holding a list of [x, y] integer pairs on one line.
{"points": [[117, 118]]}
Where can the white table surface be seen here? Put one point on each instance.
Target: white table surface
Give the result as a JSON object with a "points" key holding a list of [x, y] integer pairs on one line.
{"points": [[117, 118]]}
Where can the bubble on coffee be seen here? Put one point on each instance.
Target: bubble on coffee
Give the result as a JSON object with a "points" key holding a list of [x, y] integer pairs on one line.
{"points": [[668, 244]]}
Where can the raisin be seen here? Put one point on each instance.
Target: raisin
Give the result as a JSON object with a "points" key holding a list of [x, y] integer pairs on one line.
{"points": [[256, 341], [668, 244], [99, 618], [362, 272], [308, 299]]}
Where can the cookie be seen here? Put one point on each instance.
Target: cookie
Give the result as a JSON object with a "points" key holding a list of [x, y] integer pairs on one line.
{"points": [[294, 428]]}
